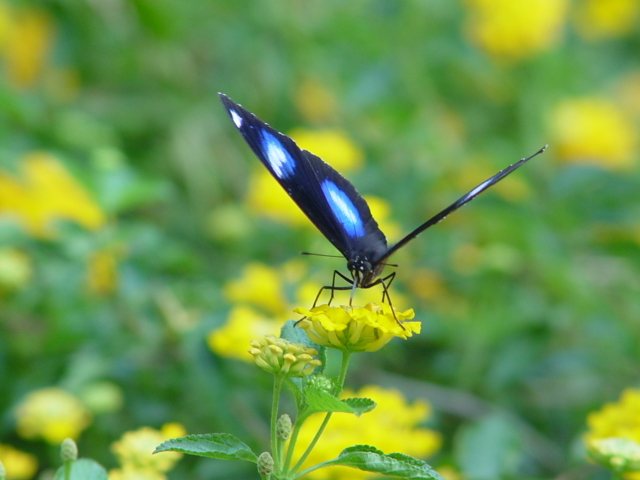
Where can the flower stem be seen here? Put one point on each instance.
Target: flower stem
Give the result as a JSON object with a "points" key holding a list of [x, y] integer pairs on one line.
{"points": [[343, 373], [277, 388]]}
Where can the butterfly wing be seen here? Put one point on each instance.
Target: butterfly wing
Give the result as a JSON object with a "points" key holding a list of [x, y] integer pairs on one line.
{"points": [[329, 200]]}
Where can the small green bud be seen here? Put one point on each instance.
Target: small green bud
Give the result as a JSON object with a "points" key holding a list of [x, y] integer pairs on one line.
{"points": [[283, 427], [68, 450], [321, 382], [3, 472], [265, 464], [282, 357]]}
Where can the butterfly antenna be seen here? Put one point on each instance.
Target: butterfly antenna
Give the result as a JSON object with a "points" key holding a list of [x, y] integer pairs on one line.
{"points": [[321, 255], [467, 197]]}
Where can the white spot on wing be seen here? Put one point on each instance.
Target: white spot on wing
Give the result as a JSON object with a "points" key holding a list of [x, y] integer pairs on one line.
{"points": [[237, 119], [343, 208], [478, 189], [279, 159]]}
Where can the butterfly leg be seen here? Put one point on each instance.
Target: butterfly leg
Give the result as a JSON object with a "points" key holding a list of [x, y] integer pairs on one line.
{"points": [[333, 287]]}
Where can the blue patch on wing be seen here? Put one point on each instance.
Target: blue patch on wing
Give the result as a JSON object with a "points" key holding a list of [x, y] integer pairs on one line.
{"points": [[279, 159], [343, 209]]}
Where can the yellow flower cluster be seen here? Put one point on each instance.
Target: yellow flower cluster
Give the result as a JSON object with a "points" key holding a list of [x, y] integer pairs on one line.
{"points": [[26, 36], [356, 329], [46, 192], [18, 465], [511, 31], [52, 414], [393, 426], [614, 432], [594, 130], [134, 453], [600, 19]]}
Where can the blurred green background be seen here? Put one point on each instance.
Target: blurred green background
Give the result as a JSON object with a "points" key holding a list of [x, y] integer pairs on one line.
{"points": [[131, 213]]}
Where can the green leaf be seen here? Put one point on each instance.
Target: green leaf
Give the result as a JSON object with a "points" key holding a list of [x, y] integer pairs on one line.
{"points": [[370, 459], [322, 401], [83, 469], [222, 446], [360, 405]]}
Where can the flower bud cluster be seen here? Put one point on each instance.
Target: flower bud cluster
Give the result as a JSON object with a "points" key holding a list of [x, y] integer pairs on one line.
{"points": [[282, 357]]}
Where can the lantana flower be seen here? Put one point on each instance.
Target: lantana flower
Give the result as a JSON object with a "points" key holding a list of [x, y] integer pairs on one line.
{"points": [[356, 329]]}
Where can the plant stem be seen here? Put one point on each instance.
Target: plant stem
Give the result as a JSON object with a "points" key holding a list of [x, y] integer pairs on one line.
{"points": [[343, 373], [277, 388]]}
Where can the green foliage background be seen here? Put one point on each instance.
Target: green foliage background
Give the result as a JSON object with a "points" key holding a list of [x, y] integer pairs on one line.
{"points": [[531, 341]]}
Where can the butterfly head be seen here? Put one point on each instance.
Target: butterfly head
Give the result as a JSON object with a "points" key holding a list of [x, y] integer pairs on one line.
{"points": [[363, 270]]}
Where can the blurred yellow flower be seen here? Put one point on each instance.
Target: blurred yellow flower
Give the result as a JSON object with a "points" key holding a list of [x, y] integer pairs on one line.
{"points": [[259, 285], [134, 452], [25, 42], [599, 19], [616, 419], [381, 211], [594, 130], [315, 102], [511, 31], [15, 269], [17, 464], [332, 146], [260, 305], [393, 426], [613, 435], [102, 272], [52, 414], [243, 325], [356, 329], [46, 193], [267, 198]]}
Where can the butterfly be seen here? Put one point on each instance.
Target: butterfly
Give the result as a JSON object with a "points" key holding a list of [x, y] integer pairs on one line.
{"points": [[332, 203]]}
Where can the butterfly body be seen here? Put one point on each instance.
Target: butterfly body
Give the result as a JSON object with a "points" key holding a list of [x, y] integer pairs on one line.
{"points": [[331, 202]]}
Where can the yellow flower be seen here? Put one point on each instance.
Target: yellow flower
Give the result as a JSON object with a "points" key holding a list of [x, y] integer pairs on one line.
{"points": [[134, 450], [26, 44], [18, 465], [267, 198], [52, 414], [613, 438], [15, 269], [391, 427], [356, 329], [381, 211], [616, 419], [282, 357], [594, 130], [102, 272], [243, 325], [599, 19], [260, 286], [47, 193], [332, 146], [511, 31]]}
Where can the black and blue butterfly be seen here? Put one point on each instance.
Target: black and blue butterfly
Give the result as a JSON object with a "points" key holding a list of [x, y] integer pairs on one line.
{"points": [[332, 203]]}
